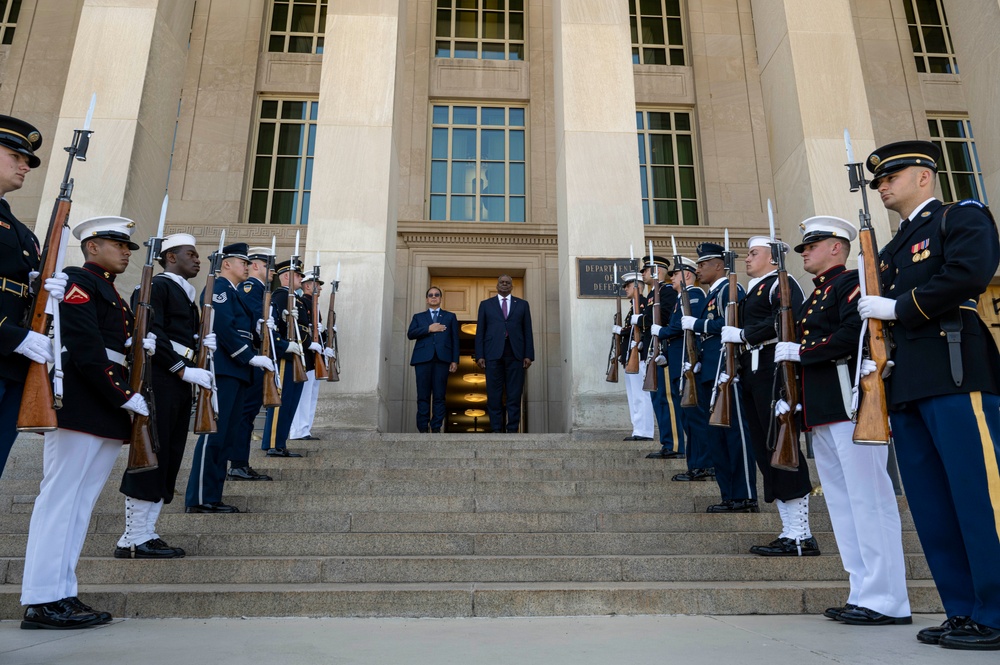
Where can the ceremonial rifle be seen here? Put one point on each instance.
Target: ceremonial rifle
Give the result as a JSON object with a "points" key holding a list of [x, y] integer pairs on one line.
{"points": [[42, 396], [322, 369], [331, 331], [632, 364], [291, 320], [786, 445], [205, 412], [721, 407], [272, 380], [871, 414], [650, 380], [689, 354], [142, 451], [616, 338]]}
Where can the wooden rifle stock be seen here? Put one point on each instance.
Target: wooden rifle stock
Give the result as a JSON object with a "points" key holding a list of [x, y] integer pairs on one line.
{"points": [[322, 370], [649, 383], [331, 336], [632, 365], [205, 417], [616, 341], [272, 387], [142, 452], [291, 323], [786, 446], [721, 413], [872, 417], [689, 390]]}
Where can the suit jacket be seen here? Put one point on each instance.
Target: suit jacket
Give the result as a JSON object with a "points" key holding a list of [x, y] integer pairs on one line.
{"points": [[491, 328], [440, 346], [18, 256]]}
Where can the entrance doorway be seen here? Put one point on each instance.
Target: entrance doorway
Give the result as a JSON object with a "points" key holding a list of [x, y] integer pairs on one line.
{"points": [[465, 400]]}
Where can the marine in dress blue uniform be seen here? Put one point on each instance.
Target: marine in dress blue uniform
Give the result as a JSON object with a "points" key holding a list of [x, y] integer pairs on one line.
{"points": [[667, 414], [434, 357], [278, 421], [943, 393]]}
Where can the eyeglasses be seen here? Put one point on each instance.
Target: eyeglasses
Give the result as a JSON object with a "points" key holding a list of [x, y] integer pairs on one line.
{"points": [[433, 295]]}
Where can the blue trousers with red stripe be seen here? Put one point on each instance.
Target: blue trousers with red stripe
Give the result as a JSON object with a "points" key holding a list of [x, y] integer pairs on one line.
{"points": [[948, 449]]}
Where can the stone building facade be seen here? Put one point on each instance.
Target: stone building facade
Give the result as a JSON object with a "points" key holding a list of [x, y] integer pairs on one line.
{"points": [[413, 142]]}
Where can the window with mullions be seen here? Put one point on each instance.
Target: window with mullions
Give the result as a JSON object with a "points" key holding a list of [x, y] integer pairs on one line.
{"points": [[667, 168], [657, 35], [930, 37], [297, 26], [9, 10], [283, 162], [480, 29], [477, 164], [959, 172]]}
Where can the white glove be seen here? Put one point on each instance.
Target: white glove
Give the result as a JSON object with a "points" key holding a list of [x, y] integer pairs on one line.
{"points": [[197, 376], [724, 378], [660, 360], [263, 362], [269, 321], [869, 366], [32, 274], [36, 347], [781, 408], [149, 345], [322, 327], [687, 367], [786, 352], [328, 352], [877, 307], [687, 322], [295, 313], [137, 405], [334, 327], [209, 342], [315, 347], [293, 349], [56, 286], [616, 330], [732, 335], [636, 318], [655, 329]]}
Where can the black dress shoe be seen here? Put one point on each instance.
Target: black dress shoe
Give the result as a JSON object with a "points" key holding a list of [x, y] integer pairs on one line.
{"points": [[105, 617], [835, 612], [694, 475], [745, 506], [151, 549], [788, 547], [724, 507], [934, 634], [282, 452], [664, 454], [217, 507], [309, 437], [246, 473], [973, 637], [862, 616], [57, 615]]}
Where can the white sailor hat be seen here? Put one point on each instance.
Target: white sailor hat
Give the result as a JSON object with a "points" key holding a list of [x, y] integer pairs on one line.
{"points": [[177, 240], [685, 264], [627, 277], [259, 253], [764, 241], [310, 277], [822, 227], [110, 228]]}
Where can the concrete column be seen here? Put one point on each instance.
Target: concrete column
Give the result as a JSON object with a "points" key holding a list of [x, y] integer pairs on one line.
{"points": [[354, 201], [810, 73], [974, 25], [598, 203], [132, 53]]}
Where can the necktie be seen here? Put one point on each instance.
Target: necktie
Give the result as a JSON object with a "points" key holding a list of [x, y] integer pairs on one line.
{"points": [[503, 307], [434, 316], [902, 226]]}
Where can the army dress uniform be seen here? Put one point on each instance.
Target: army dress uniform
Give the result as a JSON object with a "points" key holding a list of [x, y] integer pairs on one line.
{"points": [[278, 421], [640, 407], [856, 485], [667, 414]]}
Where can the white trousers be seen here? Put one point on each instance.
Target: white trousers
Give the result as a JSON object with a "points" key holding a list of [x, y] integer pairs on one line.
{"points": [[640, 407], [865, 518], [75, 467], [305, 412]]}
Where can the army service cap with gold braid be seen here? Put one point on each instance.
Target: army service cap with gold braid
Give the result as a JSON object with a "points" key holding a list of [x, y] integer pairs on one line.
{"points": [[21, 137], [660, 262], [897, 156], [109, 228]]}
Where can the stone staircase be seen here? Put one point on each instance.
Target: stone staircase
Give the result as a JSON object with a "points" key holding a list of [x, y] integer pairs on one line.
{"points": [[414, 525]]}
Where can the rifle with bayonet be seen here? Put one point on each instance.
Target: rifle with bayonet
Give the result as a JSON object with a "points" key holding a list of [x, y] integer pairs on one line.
{"points": [[689, 355], [786, 445], [331, 331], [611, 376], [292, 317], [649, 383], [721, 410], [632, 364], [319, 359], [272, 380], [205, 413]]}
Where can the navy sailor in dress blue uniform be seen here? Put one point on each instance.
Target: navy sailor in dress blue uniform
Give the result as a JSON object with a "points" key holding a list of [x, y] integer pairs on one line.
{"points": [[730, 447], [19, 259], [943, 393], [93, 423], [234, 361], [856, 484], [667, 414]]}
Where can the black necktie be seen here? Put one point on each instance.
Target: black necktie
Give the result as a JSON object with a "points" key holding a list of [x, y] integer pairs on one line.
{"points": [[434, 316], [902, 226]]}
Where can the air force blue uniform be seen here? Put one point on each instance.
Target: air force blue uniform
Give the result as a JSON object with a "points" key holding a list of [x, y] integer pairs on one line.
{"points": [[694, 423]]}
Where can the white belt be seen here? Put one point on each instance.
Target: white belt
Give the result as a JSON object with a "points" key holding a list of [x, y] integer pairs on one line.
{"points": [[113, 356], [182, 351]]}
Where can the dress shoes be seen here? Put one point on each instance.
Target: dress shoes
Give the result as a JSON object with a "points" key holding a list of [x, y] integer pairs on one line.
{"points": [[788, 547], [151, 549], [245, 473], [835, 612], [217, 507], [58, 615], [735, 506], [694, 475], [282, 452], [973, 637], [665, 454], [309, 437], [105, 617], [635, 437], [934, 634], [862, 616]]}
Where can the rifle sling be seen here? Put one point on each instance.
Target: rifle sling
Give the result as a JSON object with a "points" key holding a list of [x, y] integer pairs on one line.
{"points": [[951, 326]]}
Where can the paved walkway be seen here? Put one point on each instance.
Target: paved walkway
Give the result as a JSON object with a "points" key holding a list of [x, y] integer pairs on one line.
{"points": [[608, 640]]}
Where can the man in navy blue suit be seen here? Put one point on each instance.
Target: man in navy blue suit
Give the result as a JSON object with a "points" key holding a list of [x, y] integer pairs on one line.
{"points": [[435, 356], [504, 348]]}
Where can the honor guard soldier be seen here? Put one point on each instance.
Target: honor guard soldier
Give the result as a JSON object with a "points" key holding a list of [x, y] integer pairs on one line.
{"points": [[234, 359], [694, 422], [758, 314], [93, 423], [174, 319], [943, 393], [251, 293], [278, 421], [19, 261], [667, 415], [856, 484], [730, 448], [305, 413], [640, 407]]}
